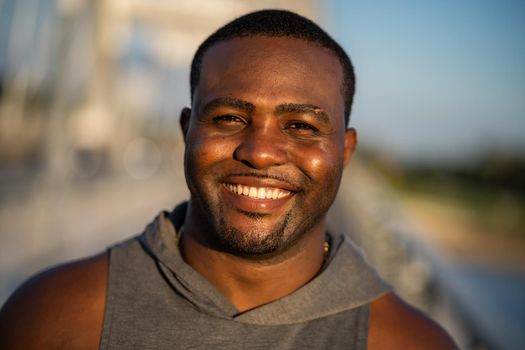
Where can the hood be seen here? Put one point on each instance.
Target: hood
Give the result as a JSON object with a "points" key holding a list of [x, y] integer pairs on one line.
{"points": [[347, 281]]}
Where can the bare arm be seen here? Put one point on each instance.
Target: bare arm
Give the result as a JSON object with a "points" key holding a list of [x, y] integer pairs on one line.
{"points": [[59, 308], [396, 325]]}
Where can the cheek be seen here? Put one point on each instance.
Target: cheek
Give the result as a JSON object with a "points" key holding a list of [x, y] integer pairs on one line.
{"points": [[203, 152], [322, 164], [198, 152], [315, 163], [198, 159]]}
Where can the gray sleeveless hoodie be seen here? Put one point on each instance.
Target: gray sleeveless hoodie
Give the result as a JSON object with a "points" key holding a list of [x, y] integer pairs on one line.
{"points": [[156, 301]]}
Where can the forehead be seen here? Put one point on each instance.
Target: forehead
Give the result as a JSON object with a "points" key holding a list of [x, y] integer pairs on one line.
{"points": [[272, 70]]}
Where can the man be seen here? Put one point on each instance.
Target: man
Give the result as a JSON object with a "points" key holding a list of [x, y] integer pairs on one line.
{"points": [[247, 262]]}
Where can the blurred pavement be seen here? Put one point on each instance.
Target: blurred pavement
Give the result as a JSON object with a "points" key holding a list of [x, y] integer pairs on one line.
{"points": [[52, 226]]}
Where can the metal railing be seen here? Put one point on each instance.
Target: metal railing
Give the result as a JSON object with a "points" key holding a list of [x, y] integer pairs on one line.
{"points": [[373, 218]]}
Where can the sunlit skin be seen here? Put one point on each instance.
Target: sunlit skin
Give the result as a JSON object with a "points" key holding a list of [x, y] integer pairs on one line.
{"points": [[267, 113]]}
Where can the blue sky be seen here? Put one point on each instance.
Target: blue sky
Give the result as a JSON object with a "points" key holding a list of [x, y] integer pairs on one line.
{"points": [[436, 79]]}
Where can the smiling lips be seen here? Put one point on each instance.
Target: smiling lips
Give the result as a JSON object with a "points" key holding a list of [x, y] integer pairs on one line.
{"points": [[257, 192]]}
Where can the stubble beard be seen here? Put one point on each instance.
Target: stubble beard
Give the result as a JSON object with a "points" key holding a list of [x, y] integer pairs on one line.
{"points": [[255, 243], [259, 243]]}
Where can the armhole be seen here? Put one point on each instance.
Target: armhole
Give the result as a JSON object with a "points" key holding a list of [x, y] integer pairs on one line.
{"points": [[109, 303], [362, 327]]}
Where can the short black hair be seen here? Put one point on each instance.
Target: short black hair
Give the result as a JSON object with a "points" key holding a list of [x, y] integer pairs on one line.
{"points": [[278, 23]]}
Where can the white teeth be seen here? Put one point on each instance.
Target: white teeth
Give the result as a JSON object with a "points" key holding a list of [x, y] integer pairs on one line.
{"points": [[257, 192]]}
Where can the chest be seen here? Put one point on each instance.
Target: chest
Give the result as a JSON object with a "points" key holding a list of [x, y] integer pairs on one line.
{"points": [[183, 327]]}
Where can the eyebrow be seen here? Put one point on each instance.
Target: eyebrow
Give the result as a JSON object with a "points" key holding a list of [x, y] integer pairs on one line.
{"points": [[310, 109], [228, 102], [284, 108]]}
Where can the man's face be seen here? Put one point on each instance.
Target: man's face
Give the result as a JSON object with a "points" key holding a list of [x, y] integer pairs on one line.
{"points": [[265, 143]]}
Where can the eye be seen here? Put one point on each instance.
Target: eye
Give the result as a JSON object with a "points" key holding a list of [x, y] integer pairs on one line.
{"points": [[227, 119], [302, 128], [228, 123]]}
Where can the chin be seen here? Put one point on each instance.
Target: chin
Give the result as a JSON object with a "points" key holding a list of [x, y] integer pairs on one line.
{"points": [[255, 240]]}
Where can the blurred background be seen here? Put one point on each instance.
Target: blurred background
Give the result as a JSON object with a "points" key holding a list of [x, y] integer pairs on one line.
{"points": [[90, 148]]}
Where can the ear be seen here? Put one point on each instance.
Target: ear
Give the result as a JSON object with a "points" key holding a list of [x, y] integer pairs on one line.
{"points": [[184, 121], [350, 144]]}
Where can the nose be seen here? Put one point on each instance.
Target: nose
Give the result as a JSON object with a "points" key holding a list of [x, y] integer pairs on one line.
{"points": [[261, 148]]}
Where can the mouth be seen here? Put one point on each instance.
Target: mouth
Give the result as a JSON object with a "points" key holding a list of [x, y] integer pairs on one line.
{"points": [[271, 193]]}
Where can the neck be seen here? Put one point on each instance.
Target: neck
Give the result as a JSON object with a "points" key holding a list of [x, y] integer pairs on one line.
{"points": [[249, 283]]}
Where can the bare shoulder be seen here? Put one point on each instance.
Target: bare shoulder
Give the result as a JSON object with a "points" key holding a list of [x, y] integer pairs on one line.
{"points": [[396, 325], [59, 308]]}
